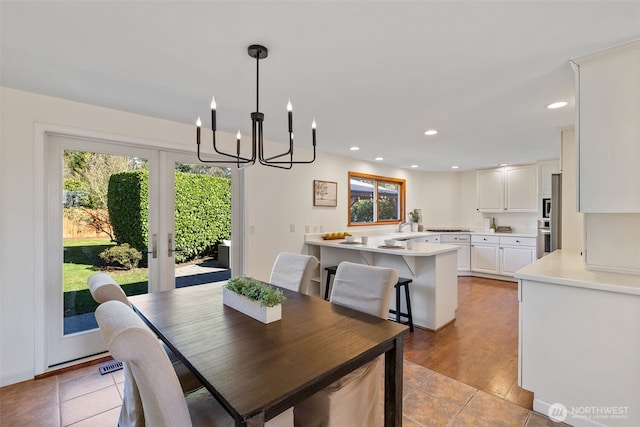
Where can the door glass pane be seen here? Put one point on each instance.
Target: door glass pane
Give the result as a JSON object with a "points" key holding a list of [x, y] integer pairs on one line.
{"points": [[361, 206], [202, 224], [105, 204]]}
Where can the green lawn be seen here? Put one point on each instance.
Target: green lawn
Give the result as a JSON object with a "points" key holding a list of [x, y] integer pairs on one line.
{"points": [[79, 256]]}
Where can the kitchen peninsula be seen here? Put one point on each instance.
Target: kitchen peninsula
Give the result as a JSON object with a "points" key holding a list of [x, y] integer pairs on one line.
{"points": [[432, 267]]}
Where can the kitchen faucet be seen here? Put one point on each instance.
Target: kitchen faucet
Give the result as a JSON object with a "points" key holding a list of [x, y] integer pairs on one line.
{"points": [[402, 224]]}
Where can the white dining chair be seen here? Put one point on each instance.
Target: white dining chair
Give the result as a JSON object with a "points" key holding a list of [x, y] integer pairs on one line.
{"points": [[104, 288], [163, 403], [293, 271], [354, 400]]}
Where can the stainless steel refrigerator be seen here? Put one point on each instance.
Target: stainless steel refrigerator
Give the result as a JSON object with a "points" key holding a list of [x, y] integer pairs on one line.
{"points": [[555, 222]]}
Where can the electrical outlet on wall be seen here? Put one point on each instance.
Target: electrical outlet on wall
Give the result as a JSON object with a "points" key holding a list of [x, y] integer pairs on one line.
{"points": [[292, 228], [306, 229], [252, 229]]}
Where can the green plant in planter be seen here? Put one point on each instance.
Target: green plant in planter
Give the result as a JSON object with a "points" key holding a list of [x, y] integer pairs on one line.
{"points": [[256, 290], [415, 215]]}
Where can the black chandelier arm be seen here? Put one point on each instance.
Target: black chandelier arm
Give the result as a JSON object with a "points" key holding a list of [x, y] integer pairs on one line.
{"points": [[236, 158], [233, 159], [257, 150], [289, 152], [293, 162]]}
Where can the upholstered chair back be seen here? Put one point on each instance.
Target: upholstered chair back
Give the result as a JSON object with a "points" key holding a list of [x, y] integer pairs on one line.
{"points": [[131, 341], [353, 400], [103, 288], [365, 288], [293, 271]]}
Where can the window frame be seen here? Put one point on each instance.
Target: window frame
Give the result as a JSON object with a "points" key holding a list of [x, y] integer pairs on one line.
{"points": [[402, 183]]}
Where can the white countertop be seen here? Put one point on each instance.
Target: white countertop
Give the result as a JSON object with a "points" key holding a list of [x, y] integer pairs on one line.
{"points": [[567, 268], [415, 234], [374, 243]]}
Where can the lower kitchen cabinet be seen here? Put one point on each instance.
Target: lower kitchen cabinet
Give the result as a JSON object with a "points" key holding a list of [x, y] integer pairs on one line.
{"points": [[464, 255], [515, 253], [485, 254], [501, 255]]}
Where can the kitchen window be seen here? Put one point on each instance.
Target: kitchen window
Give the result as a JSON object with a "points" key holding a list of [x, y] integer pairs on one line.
{"points": [[375, 200]]}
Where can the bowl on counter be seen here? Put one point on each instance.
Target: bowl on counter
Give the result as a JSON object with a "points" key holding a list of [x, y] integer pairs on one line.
{"points": [[390, 242], [349, 239]]}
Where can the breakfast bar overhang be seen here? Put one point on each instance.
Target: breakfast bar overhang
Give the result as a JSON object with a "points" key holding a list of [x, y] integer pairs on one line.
{"points": [[432, 268]]}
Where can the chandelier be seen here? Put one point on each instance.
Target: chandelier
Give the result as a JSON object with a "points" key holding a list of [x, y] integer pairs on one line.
{"points": [[257, 148]]}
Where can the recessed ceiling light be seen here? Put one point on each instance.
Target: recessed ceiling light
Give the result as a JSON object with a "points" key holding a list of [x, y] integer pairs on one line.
{"points": [[379, 158], [455, 167], [431, 132], [557, 104], [502, 164], [354, 148], [414, 166]]}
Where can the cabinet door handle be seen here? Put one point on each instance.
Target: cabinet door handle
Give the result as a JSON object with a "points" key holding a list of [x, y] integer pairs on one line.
{"points": [[517, 241]]}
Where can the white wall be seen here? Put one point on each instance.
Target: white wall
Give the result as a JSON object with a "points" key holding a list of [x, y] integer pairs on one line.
{"points": [[275, 199]]}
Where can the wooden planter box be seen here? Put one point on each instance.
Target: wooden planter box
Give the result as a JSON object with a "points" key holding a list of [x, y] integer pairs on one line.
{"points": [[251, 308]]}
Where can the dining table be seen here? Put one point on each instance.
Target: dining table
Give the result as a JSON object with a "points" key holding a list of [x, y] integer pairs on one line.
{"points": [[257, 371]]}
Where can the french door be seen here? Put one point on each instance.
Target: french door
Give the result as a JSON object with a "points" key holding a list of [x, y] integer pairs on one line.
{"points": [[73, 213]]}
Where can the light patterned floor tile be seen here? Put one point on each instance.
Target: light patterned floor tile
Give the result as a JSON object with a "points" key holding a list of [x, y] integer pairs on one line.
{"points": [[88, 405], [428, 410], [486, 410], [448, 389]]}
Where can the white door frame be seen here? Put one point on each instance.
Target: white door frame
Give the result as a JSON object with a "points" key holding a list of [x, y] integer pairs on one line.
{"points": [[62, 347], [41, 130]]}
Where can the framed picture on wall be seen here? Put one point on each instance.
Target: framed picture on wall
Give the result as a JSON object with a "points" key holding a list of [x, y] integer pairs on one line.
{"points": [[325, 193]]}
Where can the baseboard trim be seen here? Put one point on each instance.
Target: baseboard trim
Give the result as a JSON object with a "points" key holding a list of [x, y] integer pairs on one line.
{"points": [[571, 419], [72, 366]]}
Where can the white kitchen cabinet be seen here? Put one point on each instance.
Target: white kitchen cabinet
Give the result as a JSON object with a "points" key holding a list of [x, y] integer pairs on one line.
{"points": [[608, 130], [508, 189], [521, 188], [490, 190], [485, 251], [463, 242], [545, 170], [515, 253], [428, 239], [501, 255]]}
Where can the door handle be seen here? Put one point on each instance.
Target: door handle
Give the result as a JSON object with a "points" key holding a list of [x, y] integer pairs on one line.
{"points": [[154, 247], [170, 246]]}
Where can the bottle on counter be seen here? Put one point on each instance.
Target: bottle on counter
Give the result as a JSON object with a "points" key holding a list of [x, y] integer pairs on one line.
{"points": [[493, 227]]}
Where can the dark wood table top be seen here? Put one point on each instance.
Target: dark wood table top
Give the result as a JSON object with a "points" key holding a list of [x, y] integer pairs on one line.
{"points": [[257, 371]]}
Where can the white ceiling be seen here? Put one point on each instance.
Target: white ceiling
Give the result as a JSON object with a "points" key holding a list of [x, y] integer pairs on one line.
{"points": [[375, 74]]}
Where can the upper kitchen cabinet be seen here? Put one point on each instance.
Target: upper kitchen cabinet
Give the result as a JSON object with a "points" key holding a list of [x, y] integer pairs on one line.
{"points": [[508, 189], [490, 190], [608, 129], [545, 170]]}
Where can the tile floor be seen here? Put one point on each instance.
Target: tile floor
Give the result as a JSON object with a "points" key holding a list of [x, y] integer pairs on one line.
{"points": [[84, 398]]}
